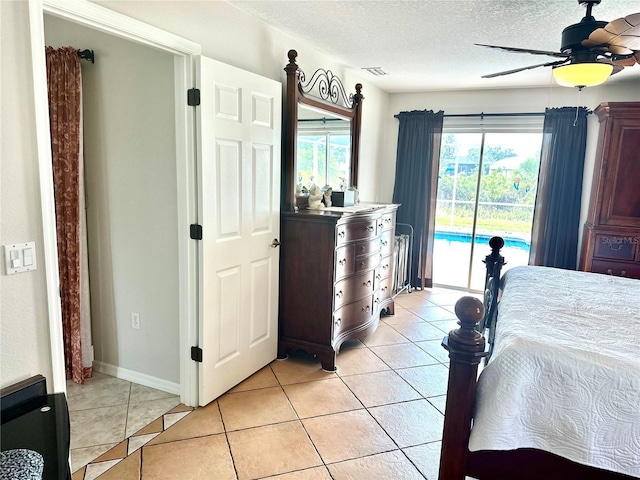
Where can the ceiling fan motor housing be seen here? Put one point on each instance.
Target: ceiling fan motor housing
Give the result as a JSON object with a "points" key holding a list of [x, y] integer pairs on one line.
{"points": [[573, 35]]}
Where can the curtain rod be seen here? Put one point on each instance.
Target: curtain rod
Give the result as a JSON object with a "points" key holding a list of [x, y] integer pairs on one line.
{"points": [[482, 115], [321, 120], [87, 55]]}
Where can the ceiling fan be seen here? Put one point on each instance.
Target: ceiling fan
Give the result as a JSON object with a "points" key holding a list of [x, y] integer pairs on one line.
{"points": [[591, 50]]}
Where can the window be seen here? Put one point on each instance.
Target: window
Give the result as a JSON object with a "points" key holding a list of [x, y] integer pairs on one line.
{"points": [[486, 187]]}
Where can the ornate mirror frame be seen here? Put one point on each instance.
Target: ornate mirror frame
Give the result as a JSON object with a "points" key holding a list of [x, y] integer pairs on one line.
{"points": [[332, 99]]}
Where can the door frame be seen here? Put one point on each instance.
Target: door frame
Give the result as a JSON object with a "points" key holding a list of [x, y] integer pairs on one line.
{"points": [[185, 53]]}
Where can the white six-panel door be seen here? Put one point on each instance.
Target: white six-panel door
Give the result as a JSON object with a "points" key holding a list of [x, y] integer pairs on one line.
{"points": [[239, 180]]}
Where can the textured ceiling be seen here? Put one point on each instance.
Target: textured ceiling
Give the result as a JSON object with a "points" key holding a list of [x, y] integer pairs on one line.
{"points": [[428, 44]]}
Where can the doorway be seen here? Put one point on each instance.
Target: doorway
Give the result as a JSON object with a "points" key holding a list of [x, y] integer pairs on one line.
{"points": [[182, 56], [486, 187], [131, 212]]}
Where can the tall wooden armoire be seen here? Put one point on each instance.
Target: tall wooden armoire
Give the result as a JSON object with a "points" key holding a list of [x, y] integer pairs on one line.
{"points": [[611, 242]]}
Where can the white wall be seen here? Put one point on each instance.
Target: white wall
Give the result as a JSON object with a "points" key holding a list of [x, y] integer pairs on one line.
{"points": [[129, 132], [24, 334], [502, 101], [232, 37]]}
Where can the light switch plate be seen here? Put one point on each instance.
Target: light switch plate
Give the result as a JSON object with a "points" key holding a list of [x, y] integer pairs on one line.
{"points": [[16, 254]]}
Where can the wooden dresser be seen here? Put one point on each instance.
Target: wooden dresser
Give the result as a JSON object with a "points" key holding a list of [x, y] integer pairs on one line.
{"points": [[611, 242], [336, 272]]}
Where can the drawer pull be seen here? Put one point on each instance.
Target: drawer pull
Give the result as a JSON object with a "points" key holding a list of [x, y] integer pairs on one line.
{"points": [[342, 262], [609, 272], [366, 308], [377, 301], [367, 283], [338, 322], [384, 289], [363, 248], [385, 243], [378, 277], [339, 294], [387, 220], [341, 234], [380, 225], [369, 228], [362, 264], [623, 273], [384, 267]]}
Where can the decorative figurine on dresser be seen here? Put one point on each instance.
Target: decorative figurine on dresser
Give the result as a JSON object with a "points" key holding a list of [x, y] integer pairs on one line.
{"points": [[611, 241], [336, 263]]}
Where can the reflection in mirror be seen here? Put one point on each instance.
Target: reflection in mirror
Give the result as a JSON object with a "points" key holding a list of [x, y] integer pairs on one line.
{"points": [[323, 150]]}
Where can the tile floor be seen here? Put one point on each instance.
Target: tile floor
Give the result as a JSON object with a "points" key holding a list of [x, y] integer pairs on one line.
{"points": [[106, 410], [378, 417]]}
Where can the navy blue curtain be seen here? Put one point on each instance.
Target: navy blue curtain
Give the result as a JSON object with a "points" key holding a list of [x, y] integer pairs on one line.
{"points": [[416, 183], [556, 219]]}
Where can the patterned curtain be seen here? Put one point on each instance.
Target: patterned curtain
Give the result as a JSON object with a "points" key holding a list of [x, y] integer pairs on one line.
{"points": [[64, 85], [556, 218], [416, 184]]}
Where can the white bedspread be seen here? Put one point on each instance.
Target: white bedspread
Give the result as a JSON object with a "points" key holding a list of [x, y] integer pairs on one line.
{"points": [[565, 372]]}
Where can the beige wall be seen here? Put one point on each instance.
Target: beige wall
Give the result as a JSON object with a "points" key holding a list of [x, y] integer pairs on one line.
{"points": [[130, 167], [24, 336]]}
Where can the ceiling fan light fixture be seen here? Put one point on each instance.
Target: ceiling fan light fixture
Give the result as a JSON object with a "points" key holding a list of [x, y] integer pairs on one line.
{"points": [[579, 75]]}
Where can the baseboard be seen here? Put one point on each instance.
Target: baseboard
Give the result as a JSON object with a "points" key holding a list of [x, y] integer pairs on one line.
{"points": [[137, 377]]}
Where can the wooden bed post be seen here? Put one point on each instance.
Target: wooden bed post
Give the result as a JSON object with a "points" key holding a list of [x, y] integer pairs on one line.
{"points": [[466, 349]]}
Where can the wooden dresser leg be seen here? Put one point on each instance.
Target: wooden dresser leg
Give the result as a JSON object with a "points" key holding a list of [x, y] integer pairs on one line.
{"points": [[328, 361], [282, 353], [391, 308]]}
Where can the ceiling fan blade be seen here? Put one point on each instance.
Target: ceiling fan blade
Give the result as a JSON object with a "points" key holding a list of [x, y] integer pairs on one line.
{"points": [[516, 70], [623, 33], [618, 66], [525, 50]]}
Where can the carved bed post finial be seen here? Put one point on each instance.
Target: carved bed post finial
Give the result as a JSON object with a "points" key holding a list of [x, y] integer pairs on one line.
{"points": [[466, 349]]}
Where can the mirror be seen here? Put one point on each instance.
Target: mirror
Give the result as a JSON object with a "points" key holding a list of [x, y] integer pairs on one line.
{"points": [[322, 133], [323, 150]]}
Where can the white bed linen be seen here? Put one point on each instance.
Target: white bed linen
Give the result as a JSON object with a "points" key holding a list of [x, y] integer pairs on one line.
{"points": [[564, 376]]}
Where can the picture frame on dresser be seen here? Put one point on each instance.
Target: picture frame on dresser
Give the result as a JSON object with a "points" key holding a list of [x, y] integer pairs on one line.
{"points": [[336, 264]]}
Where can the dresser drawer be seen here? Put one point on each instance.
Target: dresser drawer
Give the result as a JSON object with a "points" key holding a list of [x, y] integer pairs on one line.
{"points": [[367, 247], [384, 269], [616, 247], [345, 261], [386, 222], [349, 232], [619, 269], [352, 315], [383, 291], [367, 263], [386, 243], [351, 289]]}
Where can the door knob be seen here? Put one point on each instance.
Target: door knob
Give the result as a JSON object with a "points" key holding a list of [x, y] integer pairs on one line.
{"points": [[275, 243]]}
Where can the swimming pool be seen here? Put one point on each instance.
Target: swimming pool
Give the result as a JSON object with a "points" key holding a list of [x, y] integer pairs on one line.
{"points": [[481, 239], [452, 256]]}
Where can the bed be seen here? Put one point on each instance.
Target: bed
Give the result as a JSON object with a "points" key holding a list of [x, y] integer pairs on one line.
{"points": [[559, 397]]}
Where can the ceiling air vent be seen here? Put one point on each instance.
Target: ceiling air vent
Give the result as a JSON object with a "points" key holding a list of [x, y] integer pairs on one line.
{"points": [[377, 71]]}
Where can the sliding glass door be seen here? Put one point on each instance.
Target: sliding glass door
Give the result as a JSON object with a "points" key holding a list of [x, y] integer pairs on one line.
{"points": [[486, 187]]}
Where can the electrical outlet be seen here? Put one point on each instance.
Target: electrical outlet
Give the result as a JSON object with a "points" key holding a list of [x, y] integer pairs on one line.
{"points": [[135, 320]]}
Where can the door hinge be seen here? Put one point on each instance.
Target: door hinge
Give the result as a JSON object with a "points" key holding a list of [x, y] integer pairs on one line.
{"points": [[193, 97], [195, 231], [196, 354]]}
